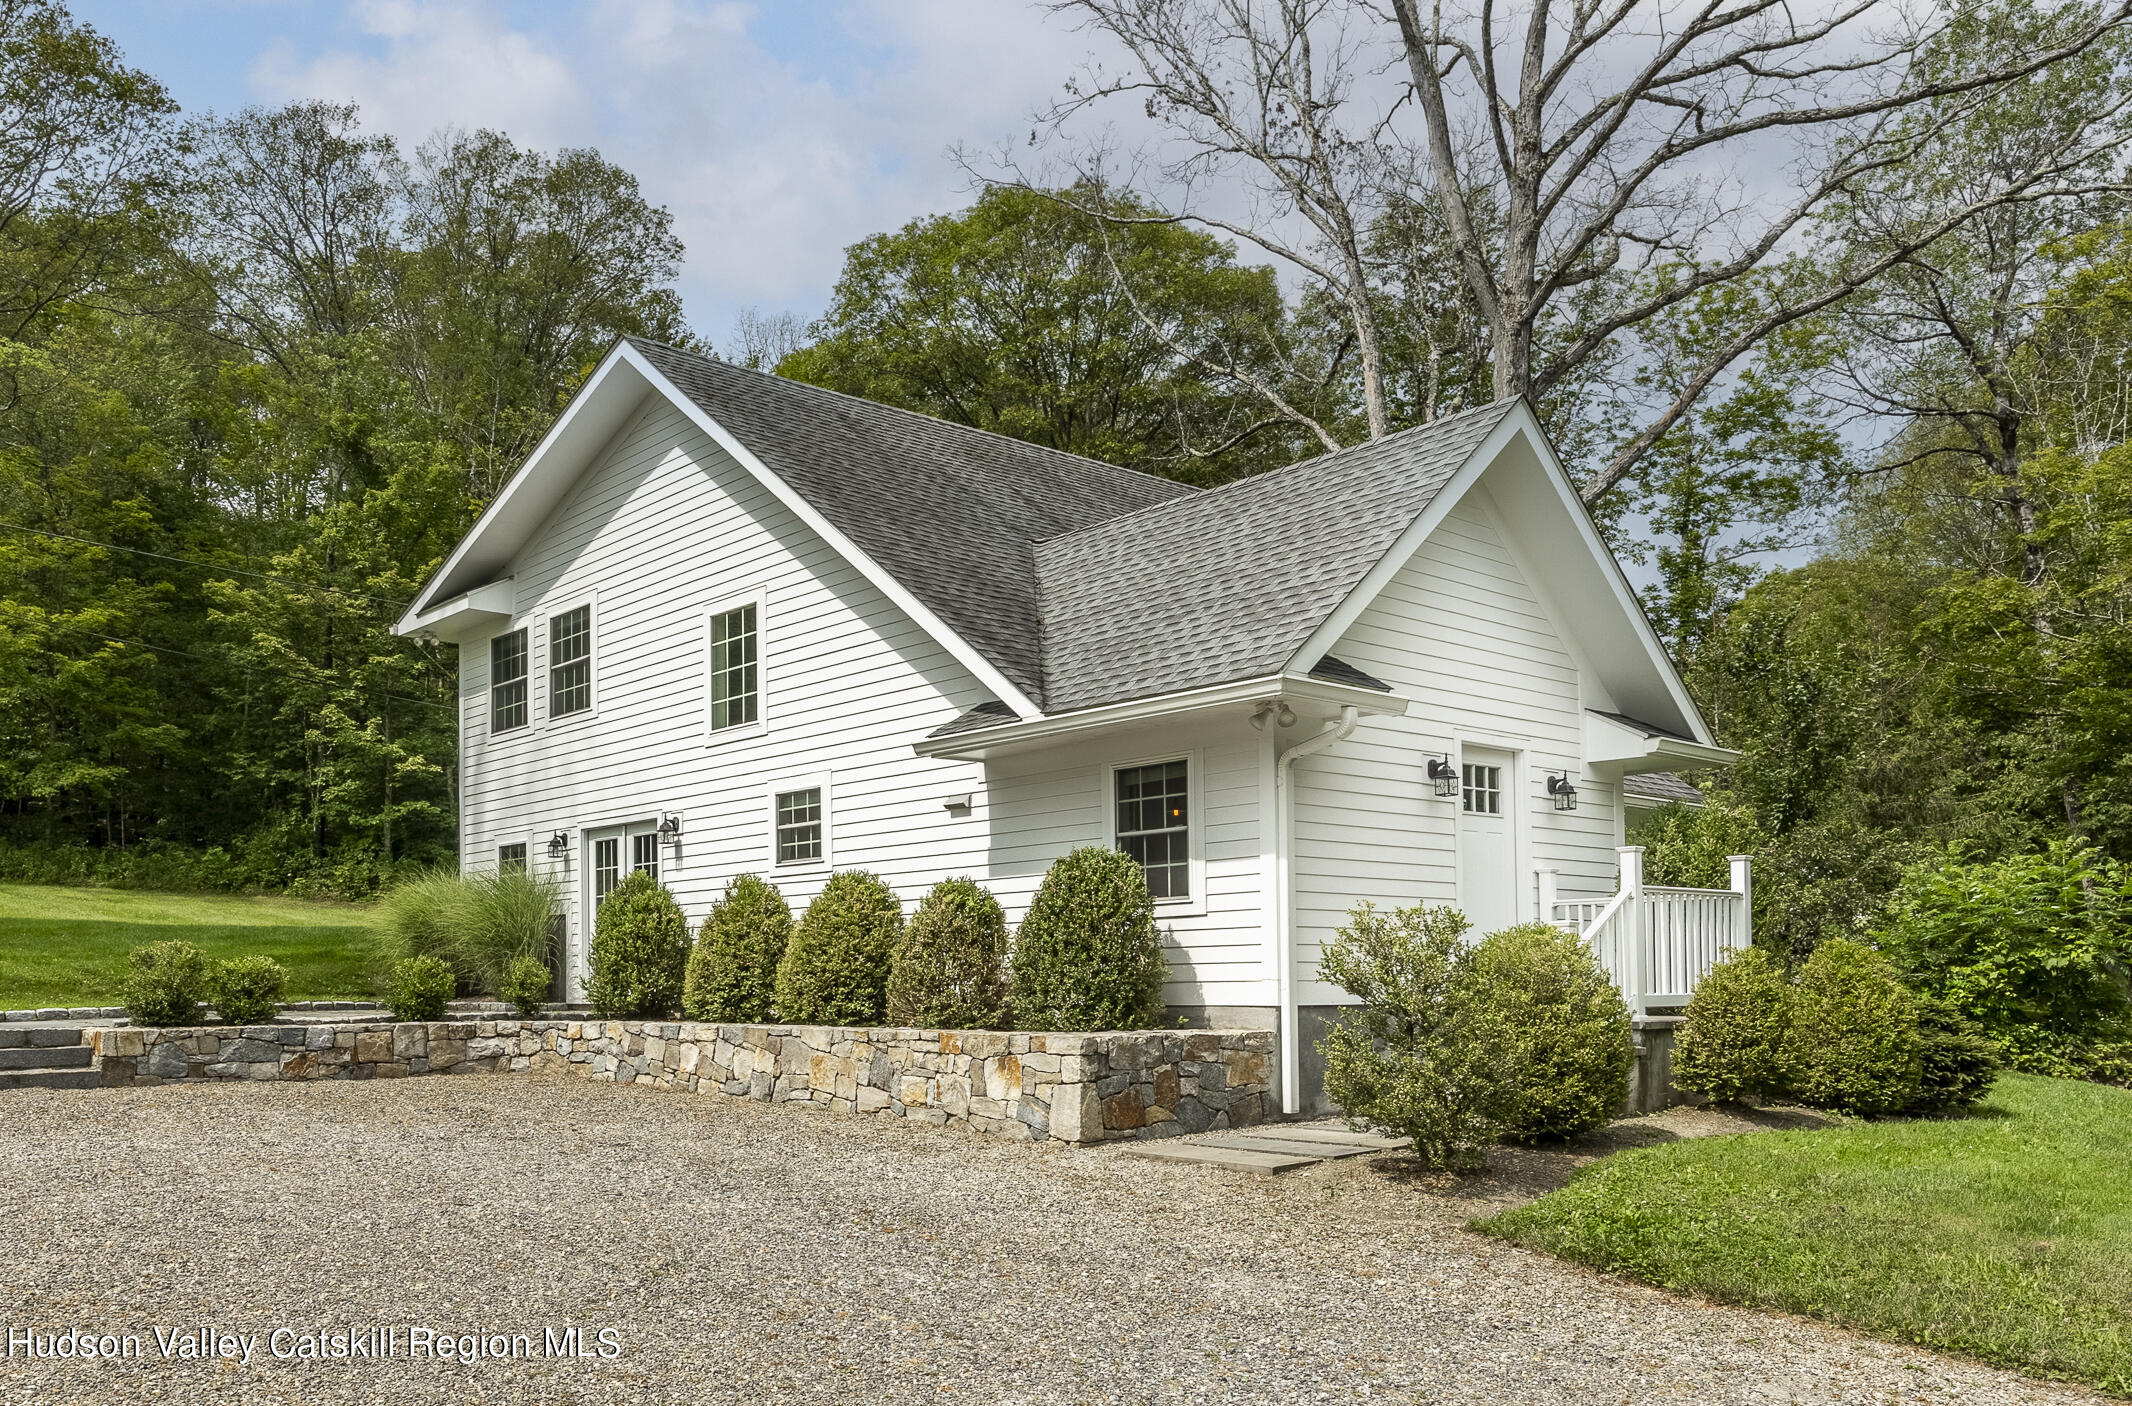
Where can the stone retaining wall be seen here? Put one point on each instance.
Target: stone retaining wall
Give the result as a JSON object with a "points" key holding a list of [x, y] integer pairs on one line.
{"points": [[1076, 1088]]}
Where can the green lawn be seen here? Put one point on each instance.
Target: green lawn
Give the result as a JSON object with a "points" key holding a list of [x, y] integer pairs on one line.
{"points": [[2005, 1235], [67, 947]]}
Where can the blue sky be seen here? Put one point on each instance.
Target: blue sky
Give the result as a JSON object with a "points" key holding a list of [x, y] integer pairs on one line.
{"points": [[776, 133]]}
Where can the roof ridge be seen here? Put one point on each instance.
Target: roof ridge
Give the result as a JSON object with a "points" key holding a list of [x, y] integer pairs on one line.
{"points": [[943, 422], [1275, 475]]}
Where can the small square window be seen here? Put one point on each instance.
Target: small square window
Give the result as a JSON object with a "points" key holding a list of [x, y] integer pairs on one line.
{"points": [[1483, 790], [507, 681], [1154, 826], [570, 662], [735, 693], [799, 826], [510, 859]]}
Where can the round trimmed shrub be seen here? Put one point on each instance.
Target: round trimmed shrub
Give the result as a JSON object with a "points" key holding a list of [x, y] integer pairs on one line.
{"points": [[419, 988], [1088, 955], [247, 990], [1731, 1046], [1574, 1042], [639, 950], [526, 983], [165, 983], [1957, 1060], [950, 969], [1427, 1055], [732, 970], [835, 967], [1853, 1044]]}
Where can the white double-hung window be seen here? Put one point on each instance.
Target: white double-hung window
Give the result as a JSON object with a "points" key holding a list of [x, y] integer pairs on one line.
{"points": [[570, 662], [736, 667], [1154, 811], [507, 681]]}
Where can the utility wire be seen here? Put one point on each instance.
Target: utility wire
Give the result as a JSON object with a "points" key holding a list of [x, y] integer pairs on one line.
{"points": [[205, 566]]}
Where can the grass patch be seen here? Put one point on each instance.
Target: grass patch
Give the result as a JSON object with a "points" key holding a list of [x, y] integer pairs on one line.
{"points": [[67, 946], [2005, 1235]]}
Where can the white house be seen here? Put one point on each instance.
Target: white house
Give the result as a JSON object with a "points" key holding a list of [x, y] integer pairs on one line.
{"points": [[724, 623]]}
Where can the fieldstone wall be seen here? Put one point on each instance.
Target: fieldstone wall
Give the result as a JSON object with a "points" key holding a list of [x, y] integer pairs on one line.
{"points": [[1077, 1088]]}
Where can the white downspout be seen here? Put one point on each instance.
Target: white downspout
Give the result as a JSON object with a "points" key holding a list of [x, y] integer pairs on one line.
{"points": [[1284, 946]]}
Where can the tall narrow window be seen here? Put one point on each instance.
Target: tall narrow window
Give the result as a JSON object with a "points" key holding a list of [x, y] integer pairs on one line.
{"points": [[799, 826], [507, 681], [1154, 828], [510, 859], [734, 684], [606, 868], [570, 662], [1483, 789], [644, 854]]}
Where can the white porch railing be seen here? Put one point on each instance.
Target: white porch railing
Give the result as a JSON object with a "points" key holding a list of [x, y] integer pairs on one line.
{"points": [[1657, 941]]}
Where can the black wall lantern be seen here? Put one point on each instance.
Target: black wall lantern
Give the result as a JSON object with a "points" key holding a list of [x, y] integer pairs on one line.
{"points": [[1565, 794], [558, 845], [1444, 776], [669, 829]]}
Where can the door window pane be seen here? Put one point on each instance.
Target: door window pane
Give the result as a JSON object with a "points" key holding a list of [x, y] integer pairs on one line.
{"points": [[507, 681], [799, 826], [734, 689], [644, 854], [1483, 790], [606, 868], [1153, 826], [510, 859], [570, 662]]}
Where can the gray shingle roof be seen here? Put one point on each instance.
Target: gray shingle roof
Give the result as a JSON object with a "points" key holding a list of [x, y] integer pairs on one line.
{"points": [[947, 510], [1228, 583], [1661, 786]]}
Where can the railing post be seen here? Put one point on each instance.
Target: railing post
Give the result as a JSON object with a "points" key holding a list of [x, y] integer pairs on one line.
{"points": [[1743, 885], [1631, 857], [1547, 894]]}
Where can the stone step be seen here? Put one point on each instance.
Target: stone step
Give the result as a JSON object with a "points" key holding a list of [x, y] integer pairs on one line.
{"points": [[1320, 1132], [60, 1057], [1228, 1159], [40, 1037], [1271, 1140], [51, 1079]]}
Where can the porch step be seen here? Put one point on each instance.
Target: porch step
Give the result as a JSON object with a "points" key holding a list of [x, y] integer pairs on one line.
{"points": [[1269, 1148], [52, 1079], [57, 1057]]}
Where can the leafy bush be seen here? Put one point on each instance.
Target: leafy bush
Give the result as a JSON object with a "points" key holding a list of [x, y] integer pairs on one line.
{"points": [[247, 990], [165, 983], [732, 970], [1427, 1056], [1088, 955], [412, 921], [1731, 1045], [526, 983], [1693, 846], [639, 950], [1853, 1044], [2033, 947], [419, 988], [950, 968], [1957, 1060], [1574, 1043], [835, 967], [493, 919]]}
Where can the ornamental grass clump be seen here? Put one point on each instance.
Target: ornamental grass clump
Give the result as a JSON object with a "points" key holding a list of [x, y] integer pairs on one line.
{"points": [[496, 918], [419, 989], [412, 922], [639, 950], [1573, 1041], [1428, 1056], [1088, 955], [1731, 1044], [1853, 1042], [165, 983], [732, 970], [247, 990], [835, 967], [950, 967]]}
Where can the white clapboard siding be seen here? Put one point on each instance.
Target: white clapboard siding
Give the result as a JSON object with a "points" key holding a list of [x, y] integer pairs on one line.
{"points": [[1460, 632]]}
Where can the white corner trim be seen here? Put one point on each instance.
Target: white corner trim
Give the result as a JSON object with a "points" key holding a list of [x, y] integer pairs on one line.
{"points": [[800, 508]]}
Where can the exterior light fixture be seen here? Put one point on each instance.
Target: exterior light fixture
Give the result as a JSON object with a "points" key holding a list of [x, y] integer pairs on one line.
{"points": [[558, 845], [1565, 794], [1287, 717], [1443, 776], [669, 831]]}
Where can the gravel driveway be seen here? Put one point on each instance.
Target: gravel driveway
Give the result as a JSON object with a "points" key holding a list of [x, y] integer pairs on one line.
{"points": [[745, 1252]]}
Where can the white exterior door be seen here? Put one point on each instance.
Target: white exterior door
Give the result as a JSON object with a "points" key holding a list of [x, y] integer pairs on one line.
{"points": [[1487, 841], [610, 852]]}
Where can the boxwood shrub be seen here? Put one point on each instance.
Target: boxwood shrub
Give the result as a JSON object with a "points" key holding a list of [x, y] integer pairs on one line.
{"points": [[835, 967], [1574, 1043], [1088, 955], [1853, 1044], [1731, 1046], [732, 971], [526, 984], [165, 983], [247, 990], [419, 987], [639, 950], [950, 968]]}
